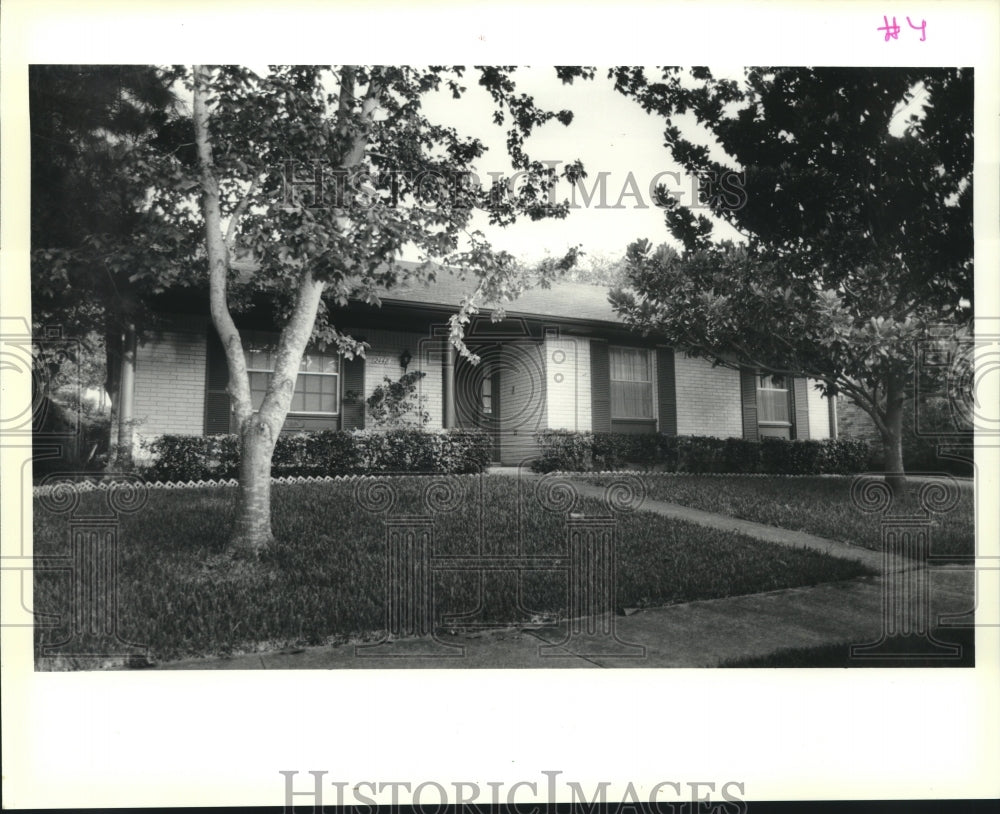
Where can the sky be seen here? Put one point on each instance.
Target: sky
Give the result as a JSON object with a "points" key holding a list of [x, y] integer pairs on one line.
{"points": [[621, 148], [609, 134]]}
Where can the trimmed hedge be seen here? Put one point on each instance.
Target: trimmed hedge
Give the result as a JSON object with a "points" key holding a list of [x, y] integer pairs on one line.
{"points": [[570, 451], [328, 452]]}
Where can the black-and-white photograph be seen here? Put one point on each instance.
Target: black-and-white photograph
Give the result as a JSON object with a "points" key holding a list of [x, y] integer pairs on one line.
{"points": [[403, 366], [419, 385]]}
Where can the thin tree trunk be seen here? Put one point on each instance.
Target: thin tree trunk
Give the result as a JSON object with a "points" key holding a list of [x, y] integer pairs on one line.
{"points": [[892, 435], [126, 418], [112, 379]]}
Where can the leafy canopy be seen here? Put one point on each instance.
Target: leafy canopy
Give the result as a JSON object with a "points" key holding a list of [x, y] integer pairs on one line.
{"points": [[857, 218], [305, 198]]}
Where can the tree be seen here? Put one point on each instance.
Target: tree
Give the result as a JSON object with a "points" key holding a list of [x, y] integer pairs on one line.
{"points": [[601, 270], [101, 136], [857, 226], [323, 174]]}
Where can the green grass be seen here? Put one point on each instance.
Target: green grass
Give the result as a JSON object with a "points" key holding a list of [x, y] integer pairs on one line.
{"points": [[324, 582], [817, 505]]}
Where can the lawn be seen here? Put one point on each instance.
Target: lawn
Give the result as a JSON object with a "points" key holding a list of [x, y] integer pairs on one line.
{"points": [[817, 505], [906, 651], [325, 581]]}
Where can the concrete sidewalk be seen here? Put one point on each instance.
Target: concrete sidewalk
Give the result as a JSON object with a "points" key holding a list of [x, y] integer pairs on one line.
{"points": [[694, 634]]}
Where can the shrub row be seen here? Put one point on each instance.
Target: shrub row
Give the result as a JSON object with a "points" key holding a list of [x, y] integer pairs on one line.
{"points": [[583, 451], [328, 452]]}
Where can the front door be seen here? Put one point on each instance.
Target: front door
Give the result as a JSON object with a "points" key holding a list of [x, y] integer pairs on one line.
{"points": [[478, 395], [489, 405]]}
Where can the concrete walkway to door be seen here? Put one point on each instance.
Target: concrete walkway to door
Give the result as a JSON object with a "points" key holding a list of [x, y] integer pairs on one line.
{"points": [[758, 531]]}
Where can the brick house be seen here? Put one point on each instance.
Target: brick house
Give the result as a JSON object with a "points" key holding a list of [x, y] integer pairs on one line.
{"points": [[561, 359]]}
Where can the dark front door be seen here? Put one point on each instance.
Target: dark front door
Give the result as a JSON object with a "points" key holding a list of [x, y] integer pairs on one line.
{"points": [[489, 405], [478, 395]]}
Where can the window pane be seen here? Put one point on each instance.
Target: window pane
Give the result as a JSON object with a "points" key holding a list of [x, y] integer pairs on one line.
{"points": [[258, 387], [629, 364], [313, 362], [316, 386], [631, 400], [315, 393], [772, 405]]}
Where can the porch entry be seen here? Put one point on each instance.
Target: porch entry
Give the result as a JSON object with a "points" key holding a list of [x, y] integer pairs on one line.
{"points": [[503, 395], [478, 396]]}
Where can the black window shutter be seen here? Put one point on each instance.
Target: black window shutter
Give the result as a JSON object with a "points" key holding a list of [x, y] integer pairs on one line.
{"points": [[353, 406], [217, 408], [800, 404], [748, 395], [666, 394], [600, 386]]}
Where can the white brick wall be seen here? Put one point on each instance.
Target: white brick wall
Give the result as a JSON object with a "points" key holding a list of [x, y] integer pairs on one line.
{"points": [[819, 416], [382, 359], [170, 380], [708, 399], [567, 383]]}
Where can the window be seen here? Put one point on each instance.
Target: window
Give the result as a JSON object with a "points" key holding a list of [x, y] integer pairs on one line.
{"points": [[316, 387], [487, 393], [631, 383], [772, 399]]}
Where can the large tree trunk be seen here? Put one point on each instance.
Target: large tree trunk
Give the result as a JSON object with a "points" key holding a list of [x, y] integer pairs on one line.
{"points": [[260, 430], [252, 528]]}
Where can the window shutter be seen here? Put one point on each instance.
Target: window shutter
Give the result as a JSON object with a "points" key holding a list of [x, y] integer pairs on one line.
{"points": [[748, 394], [600, 386], [800, 406], [353, 410], [217, 405], [666, 394]]}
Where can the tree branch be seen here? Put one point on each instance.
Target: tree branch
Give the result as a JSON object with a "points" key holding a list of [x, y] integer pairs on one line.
{"points": [[238, 213], [218, 259]]}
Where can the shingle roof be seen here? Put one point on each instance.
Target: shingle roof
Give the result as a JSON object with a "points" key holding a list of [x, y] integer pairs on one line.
{"points": [[564, 299]]}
